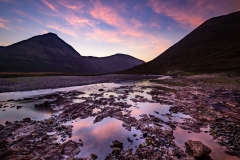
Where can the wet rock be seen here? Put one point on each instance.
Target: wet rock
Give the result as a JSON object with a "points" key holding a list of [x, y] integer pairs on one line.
{"points": [[197, 149], [70, 148], [81, 142], [1, 127], [27, 119], [7, 122], [233, 153], [18, 107], [93, 156], [145, 135], [116, 144]]}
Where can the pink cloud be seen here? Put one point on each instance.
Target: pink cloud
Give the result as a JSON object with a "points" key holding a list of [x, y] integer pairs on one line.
{"points": [[3, 23], [192, 13], [103, 36], [62, 29], [19, 20], [106, 14], [109, 15], [179, 14], [74, 5], [49, 5], [77, 21], [71, 13]]}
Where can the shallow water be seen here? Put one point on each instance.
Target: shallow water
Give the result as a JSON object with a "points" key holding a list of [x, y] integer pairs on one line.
{"points": [[97, 137]]}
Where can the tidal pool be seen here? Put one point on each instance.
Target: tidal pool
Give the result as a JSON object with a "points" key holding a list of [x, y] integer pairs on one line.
{"points": [[98, 136]]}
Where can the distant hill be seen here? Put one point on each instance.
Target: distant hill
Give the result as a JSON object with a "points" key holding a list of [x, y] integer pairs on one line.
{"points": [[2, 48], [214, 46], [49, 53], [114, 63]]}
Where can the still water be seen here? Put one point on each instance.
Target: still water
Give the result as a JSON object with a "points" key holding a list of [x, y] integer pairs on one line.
{"points": [[98, 136]]}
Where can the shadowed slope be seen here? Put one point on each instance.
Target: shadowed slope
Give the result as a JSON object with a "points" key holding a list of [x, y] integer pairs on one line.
{"points": [[44, 53], [49, 53], [211, 47], [114, 63]]}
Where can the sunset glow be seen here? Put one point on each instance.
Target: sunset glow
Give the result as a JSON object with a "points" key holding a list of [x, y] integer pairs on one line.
{"points": [[141, 28]]}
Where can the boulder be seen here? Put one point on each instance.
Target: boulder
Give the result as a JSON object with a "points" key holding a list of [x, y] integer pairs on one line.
{"points": [[197, 149]]}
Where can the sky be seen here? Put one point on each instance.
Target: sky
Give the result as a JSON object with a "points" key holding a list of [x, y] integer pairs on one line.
{"points": [[141, 28]]}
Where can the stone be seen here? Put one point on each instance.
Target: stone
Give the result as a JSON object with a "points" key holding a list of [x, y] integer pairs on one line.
{"points": [[93, 156], [116, 144], [18, 107], [145, 135], [197, 149], [27, 119]]}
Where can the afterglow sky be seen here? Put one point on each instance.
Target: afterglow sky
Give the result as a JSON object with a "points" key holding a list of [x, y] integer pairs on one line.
{"points": [[141, 28]]}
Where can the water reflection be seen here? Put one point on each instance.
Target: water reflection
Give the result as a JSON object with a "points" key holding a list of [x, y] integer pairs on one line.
{"points": [[27, 110], [97, 137], [181, 136]]}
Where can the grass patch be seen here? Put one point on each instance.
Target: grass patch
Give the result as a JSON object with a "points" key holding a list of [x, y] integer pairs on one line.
{"points": [[165, 88], [169, 82]]}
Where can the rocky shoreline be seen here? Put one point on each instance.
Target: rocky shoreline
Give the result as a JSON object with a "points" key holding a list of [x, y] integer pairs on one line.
{"points": [[209, 103]]}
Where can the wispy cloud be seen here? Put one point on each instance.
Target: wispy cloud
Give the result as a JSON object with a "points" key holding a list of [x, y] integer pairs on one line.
{"points": [[103, 36], [192, 13], [111, 17], [9, 1], [49, 5], [24, 14], [182, 14], [78, 21], [62, 29], [3, 23], [73, 5]]}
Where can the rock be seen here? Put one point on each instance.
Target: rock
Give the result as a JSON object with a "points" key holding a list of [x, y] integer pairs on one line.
{"points": [[7, 122], [27, 119], [1, 127], [116, 144], [49, 121], [93, 156], [145, 135], [70, 148], [197, 149], [18, 107], [101, 90]]}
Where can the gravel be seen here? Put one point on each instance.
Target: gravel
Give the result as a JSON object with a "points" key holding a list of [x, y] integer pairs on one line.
{"points": [[35, 83]]}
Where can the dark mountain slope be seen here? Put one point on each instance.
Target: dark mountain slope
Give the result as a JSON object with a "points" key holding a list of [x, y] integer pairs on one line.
{"points": [[44, 53], [2, 48], [214, 46], [49, 53], [114, 63]]}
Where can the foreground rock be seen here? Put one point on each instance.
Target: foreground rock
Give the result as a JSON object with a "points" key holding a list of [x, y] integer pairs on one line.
{"points": [[197, 149]]}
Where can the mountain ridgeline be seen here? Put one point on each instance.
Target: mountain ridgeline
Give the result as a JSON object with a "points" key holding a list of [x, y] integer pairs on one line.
{"points": [[212, 47], [49, 53]]}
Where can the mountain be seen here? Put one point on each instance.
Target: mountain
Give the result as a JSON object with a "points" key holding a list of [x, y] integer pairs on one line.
{"points": [[114, 63], [2, 48], [49, 53], [44, 53], [211, 47]]}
